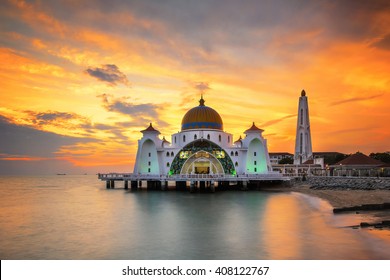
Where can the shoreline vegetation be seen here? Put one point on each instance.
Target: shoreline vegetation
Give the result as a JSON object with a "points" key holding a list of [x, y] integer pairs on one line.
{"points": [[364, 196]]}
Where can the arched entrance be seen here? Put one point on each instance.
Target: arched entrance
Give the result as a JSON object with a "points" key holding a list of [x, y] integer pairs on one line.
{"points": [[202, 157], [202, 162]]}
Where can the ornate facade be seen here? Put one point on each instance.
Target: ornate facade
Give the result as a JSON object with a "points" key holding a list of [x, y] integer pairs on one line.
{"points": [[202, 147]]}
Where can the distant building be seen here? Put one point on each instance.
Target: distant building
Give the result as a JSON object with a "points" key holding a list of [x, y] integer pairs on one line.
{"points": [[303, 148], [276, 157], [359, 164]]}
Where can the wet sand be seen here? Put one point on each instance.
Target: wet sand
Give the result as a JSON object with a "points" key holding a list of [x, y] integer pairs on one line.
{"points": [[343, 198]]}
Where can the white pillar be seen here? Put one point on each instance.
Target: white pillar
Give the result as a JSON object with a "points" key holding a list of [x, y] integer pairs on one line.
{"points": [[303, 148]]}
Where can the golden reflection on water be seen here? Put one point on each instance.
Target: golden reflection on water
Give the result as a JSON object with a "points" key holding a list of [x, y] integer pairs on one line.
{"points": [[296, 229], [280, 235]]}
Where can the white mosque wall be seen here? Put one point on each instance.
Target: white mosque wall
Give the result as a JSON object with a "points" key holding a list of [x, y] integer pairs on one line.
{"points": [[155, 156], [220, 138], [147, 158]]}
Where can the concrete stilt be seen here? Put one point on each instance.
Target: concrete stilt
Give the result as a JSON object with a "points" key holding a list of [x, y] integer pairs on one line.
{"points": [[126, 184], [164, 185], [244, 186], [192, 187], [108, 184], [212, 186], [134, 185], [202, 186], [112, 184]]}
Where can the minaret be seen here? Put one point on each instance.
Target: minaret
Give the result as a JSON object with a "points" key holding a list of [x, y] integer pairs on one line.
{"points": [[303, 150]]}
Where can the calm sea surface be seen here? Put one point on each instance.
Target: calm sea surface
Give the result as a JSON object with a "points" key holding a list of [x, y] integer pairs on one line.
{"points": [[75, 217]]}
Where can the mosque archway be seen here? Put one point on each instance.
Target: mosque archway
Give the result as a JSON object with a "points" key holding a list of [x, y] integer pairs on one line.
{"points": [[202, 162], [202, 157]]}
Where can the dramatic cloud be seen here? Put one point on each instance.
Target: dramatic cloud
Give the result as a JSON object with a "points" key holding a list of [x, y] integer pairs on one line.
{"points": [[202, 87], [383, 42], [355, 99], [29, 142], [271, 122], [108, 73], [122, 106], [256, 63]]}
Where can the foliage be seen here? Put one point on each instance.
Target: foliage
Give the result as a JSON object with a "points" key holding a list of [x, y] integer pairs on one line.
{"points": [[384, 157], [334, 158], [286, 160]]}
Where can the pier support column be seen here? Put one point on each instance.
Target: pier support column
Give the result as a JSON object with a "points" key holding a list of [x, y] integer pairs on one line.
{"points": [[192, 187], [108, 184], [244, 186], [212, 186], [112, 184], [126, 184], [164, 185], [202, 186]]}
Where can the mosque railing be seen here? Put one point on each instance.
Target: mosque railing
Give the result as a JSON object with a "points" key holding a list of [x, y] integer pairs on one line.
{"points": [[135, 177]]}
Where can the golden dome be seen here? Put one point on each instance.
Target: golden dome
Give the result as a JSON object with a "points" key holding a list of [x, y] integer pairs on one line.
{"points": [[202, 117]]}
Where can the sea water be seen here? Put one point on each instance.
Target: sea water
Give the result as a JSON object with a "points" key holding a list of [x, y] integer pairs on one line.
{"points": [[76, 217]]}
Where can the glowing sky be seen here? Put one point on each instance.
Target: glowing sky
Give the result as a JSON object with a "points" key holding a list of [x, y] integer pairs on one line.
{"points": [[80, 79]]}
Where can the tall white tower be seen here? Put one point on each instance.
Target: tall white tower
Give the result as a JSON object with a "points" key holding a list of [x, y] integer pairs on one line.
{"points": [[303, 150]]}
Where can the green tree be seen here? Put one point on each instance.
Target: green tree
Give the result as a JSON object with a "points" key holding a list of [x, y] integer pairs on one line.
{"points": [[286, 160], [384, 157]]}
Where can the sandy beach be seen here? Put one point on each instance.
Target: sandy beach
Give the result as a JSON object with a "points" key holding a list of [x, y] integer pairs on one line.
{"points": [[344, 198]]}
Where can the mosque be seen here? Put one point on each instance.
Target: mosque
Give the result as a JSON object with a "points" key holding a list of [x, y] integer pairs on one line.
{"points": [[202, 147]]}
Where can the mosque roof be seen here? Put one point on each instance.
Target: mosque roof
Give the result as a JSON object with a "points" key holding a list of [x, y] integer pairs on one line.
{"points": [[359, 159], [165, 140], [150, 129], [253, 128], [202, 117], [239, 140]]}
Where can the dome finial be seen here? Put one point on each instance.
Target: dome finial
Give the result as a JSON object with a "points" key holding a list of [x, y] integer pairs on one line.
{"points": [[201, 101], [303, 93]]}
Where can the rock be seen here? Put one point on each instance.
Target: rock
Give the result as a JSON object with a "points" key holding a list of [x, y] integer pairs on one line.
{"points": [[364, 224]]}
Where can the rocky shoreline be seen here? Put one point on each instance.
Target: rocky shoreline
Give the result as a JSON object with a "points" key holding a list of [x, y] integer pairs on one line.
{"points": [[347, 183], [348, 194]]}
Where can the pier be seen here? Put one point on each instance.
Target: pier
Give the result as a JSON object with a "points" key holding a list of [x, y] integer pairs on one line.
{"points": [[192, 182]]}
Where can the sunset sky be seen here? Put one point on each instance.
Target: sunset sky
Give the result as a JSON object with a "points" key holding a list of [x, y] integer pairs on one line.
{"points": [[80, 79]]}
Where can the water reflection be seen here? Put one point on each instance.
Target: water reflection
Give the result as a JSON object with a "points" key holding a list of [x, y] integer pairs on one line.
{"points": [[301, 227], [77, 218]]}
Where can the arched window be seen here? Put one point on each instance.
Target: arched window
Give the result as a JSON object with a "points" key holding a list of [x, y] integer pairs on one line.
{"points": [[195, 137], [228, 139], [255, 169], [232, 154], [175, 139], [301, 116], [172, 154], [220, 138], [300, 143], [255, 162], [149, 163], [236, 164], [149, 170], [184, 138], [208, 136], [167, 154], [236, 154], [254, 153], [167, 164]]}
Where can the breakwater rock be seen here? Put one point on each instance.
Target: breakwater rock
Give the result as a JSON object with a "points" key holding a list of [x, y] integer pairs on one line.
{"points": [[347, 183], [364, 207]]}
